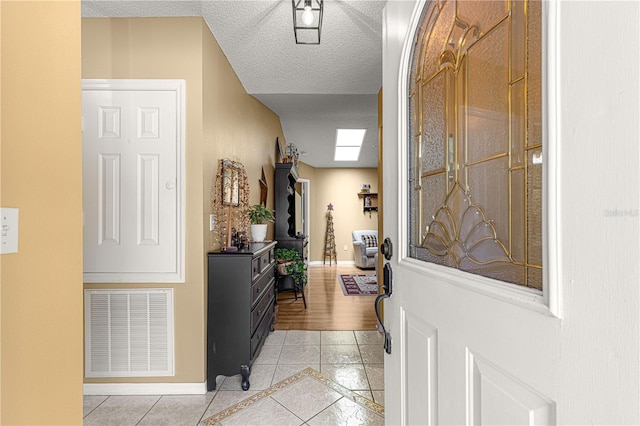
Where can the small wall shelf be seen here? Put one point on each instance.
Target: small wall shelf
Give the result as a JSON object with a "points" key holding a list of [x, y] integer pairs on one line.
{"points": [[369, 202]]}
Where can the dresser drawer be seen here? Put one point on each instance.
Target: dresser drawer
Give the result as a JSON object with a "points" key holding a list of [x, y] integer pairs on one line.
{"points": [[259, 287], [266, 259], [262, 262], [261, 333], [265, 304], [255, 268]]}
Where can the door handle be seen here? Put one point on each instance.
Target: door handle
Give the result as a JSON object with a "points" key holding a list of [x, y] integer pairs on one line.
{"points": [[170, 186], [387, 286]]}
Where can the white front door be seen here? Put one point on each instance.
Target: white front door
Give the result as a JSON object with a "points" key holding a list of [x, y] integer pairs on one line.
{"points": [[473, 350], [132, 179]]}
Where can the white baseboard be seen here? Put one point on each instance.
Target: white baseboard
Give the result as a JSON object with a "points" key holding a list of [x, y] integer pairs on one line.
{"points": [[339, 262], [145, 388]]}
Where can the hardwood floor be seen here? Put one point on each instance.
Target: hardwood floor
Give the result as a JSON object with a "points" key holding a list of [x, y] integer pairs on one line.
{"points": [[327, 307]]}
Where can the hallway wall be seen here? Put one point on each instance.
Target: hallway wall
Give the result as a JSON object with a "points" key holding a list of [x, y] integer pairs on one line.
{"points": [[41, 285]]}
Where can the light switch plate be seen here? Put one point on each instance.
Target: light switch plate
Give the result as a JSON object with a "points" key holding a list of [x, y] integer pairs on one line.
{"points": [[212, 222], [8, 230]]}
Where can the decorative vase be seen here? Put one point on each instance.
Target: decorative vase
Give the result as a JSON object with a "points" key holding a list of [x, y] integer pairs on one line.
{"points": [[282, 268], [258, 232]]}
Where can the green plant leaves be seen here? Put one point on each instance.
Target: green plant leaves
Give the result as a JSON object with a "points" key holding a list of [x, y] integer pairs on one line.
{"points": [[258, 214], [296, 267]]}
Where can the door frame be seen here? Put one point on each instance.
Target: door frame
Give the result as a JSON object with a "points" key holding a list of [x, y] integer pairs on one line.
{"points": [[177, 86], [305, 184]]}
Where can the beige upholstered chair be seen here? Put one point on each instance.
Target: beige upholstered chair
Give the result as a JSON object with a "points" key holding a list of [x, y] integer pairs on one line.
{"points": [[365, 247]]}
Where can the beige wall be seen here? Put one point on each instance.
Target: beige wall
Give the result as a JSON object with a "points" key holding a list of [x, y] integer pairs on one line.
{"points": [[0, 203], [339, 187], [41, 285], [222, 122], [236, 126], [164, 48]]}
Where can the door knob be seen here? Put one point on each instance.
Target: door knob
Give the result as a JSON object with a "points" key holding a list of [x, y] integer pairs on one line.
{"points": [[387, 248]]}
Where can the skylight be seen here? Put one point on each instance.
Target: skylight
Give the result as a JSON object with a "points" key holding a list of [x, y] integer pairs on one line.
{"points": [[348, 144]]}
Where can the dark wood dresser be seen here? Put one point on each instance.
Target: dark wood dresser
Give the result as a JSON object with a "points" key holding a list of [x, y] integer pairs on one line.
{"points": [[240, 309]]}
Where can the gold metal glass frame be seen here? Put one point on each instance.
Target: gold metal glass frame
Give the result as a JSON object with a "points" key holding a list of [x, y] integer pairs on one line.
{"points": [[475, 146]]}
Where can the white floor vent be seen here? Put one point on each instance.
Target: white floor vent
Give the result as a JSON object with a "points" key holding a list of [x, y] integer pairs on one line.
{"points": [[129, 333]]}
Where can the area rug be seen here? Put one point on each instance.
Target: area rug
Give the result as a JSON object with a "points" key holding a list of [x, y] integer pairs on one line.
{"points": [[359, 285], [240, 413]]}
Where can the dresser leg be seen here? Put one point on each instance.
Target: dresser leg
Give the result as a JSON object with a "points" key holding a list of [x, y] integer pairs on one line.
{"points": [[245, 372]]}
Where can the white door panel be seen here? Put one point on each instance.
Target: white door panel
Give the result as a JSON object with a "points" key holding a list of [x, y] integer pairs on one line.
{"points": [[495, 397], [132, 178], [420, 349], [443, 329]]}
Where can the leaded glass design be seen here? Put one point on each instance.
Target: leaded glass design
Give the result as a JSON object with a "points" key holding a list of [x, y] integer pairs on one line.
{"points": [[475, 139]]}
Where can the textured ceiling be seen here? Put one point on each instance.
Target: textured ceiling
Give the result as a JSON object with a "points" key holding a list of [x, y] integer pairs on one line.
{"points": [[313, 88]]}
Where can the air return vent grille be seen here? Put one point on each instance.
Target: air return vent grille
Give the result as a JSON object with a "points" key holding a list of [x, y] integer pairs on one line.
{"points": [[128, 333]]}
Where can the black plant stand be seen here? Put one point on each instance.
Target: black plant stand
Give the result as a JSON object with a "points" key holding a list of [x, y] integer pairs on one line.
{"points": [[286, 283]]}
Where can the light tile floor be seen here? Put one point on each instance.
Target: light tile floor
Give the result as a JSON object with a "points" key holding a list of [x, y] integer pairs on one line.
{"points": [[351, 359]]}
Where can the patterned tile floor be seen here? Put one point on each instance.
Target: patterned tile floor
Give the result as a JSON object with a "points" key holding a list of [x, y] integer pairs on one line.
{"points": [[300, 378]]}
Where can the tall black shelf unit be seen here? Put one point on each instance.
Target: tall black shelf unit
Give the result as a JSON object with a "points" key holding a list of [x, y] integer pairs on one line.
{"points": [[286, 233], [285, 194]]}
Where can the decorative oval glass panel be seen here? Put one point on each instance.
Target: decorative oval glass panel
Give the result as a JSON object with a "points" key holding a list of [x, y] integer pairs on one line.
{"points": [[475, 112]]}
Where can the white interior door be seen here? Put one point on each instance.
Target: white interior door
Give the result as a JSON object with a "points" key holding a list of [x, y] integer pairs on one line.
{"points": [[472, 350], [133, 181]]}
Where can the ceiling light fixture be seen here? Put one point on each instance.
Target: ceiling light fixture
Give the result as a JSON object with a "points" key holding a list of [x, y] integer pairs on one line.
{"points": [[307, 20]]}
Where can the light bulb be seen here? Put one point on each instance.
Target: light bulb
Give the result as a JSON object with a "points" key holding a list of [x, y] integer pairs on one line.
{"points": [[307, 15]]}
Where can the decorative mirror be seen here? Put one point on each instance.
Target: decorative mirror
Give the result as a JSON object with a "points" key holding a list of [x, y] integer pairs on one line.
{"points": [[230, 183], [280, 150], [264, 189]]}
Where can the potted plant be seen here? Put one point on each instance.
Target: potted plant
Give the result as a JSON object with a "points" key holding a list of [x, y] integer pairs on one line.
{"points": [[289, 262], [259, 216]]}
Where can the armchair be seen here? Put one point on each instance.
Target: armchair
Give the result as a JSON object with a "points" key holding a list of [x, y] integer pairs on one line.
{"points": [[365, 248]]}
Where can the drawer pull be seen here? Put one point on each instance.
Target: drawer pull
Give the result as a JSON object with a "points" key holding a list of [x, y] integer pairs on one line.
{"points": [[259, 312], [258, 290]]}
